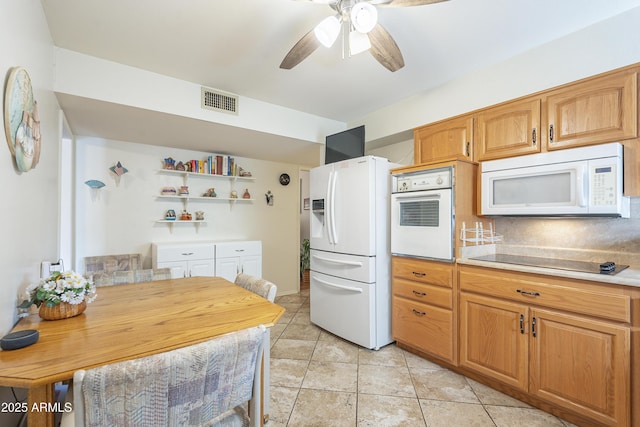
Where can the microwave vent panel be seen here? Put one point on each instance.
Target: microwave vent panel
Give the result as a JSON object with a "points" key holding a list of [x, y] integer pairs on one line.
{"points": [[219, 101]]}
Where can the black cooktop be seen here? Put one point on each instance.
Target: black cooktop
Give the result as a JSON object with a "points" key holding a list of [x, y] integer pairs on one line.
{"points": [[562, 264]]}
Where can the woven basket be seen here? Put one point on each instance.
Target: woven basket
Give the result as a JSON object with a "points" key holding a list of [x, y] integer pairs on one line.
{"points": [[61, 311]]}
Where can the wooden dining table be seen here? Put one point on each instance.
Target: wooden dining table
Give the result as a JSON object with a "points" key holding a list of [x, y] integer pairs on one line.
{"points": [[127, 322]]}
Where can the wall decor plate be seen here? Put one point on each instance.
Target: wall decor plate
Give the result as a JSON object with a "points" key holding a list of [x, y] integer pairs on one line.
{"points": [[21, 121]]}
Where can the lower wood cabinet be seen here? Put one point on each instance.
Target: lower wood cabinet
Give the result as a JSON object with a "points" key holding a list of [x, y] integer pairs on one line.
{"points": [[422, 315], [491, 339], [528, 341], [581, 364]]}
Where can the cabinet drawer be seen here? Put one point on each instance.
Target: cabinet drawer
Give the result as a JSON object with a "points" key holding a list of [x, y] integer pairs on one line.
{"points": [[430, 272], [183, 252], [425, 327], [419, 292], [547, 291], [235, 249]]}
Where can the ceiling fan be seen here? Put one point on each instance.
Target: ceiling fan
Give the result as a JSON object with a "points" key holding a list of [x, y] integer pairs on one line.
{"points": [[361, 31]]}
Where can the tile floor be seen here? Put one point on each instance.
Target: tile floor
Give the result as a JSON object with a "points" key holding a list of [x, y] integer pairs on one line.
{"points": [[318, 379]]}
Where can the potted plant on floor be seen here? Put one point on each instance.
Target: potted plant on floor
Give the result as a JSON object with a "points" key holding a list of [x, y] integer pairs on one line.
{"points": [[305, 261]]}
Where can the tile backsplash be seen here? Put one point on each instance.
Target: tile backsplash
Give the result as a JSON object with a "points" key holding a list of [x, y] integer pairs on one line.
{"points": [[583, 237]]}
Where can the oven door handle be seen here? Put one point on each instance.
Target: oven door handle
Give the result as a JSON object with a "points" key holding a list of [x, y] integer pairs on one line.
{"points": [[333, 285], [415, 196]]}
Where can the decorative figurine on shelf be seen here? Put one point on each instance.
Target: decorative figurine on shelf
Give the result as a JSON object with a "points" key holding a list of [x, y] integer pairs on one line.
{"points": [[234, 194], [170, 215], [244, 173], [199, 216], [169, 163], [210, 193], [246, 194], [169, 191], [186, 216], [180, 166], [269, 196], [184, 190]]}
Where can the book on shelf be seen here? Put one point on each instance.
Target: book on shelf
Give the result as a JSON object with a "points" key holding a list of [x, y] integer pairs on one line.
{"points": [[215, 164]]}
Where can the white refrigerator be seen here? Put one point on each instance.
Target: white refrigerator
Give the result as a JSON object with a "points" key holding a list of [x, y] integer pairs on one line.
{"points": [[350, 289]]}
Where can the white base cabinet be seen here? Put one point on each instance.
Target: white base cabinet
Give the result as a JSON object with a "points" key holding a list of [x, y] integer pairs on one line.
{"points": [[233, 258], [224, 259], [185, 259]]}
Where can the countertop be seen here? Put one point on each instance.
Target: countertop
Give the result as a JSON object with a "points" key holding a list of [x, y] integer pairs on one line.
{"points": [[627, 277]]}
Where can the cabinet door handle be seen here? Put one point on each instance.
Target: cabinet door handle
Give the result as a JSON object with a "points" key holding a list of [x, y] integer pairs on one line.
{"points": [[468, 149], [419, 313], [550, 133], [533, 136], [528, 293], [187, 253], [419, 294], [533, 327], [418, 274], [522, 324]]}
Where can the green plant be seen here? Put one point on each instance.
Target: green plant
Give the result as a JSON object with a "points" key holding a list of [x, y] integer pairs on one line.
{"points": [[305, 257]]}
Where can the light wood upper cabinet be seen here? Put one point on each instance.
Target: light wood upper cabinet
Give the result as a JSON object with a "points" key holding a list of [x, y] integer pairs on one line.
{"points": [[603, 109], [508, 130], [442, 141]]}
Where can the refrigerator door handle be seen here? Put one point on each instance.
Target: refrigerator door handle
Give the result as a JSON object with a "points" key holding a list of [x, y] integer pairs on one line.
{"points": [[337, 261], [332, 208], [328, 208], [333, 285]]}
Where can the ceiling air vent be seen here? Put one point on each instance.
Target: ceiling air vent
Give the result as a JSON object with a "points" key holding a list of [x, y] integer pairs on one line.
{"points": [[219, 101]]}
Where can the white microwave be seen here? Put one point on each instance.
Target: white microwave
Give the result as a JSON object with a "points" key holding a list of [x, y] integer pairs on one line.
{"points": [[585, 181]]}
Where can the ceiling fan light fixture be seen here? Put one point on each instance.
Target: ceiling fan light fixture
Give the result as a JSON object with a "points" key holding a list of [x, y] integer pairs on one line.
{"points": [[358, 42], [364, 16], [327, 30]]}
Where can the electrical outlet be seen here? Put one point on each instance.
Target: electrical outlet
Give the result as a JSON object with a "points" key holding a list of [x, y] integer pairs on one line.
{"points": [[47, 268]]}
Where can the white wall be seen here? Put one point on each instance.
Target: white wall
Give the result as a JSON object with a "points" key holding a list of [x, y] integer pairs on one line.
{"points": [[30, 219], [607, 45], [121, 217], [400, 152], [121, 84]]}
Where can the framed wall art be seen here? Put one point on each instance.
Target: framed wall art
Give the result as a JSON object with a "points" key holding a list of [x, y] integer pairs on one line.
{"points": [[21, 121]]}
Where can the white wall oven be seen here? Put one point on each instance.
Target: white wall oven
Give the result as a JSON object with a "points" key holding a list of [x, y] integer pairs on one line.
{"points": [[422, 214]]}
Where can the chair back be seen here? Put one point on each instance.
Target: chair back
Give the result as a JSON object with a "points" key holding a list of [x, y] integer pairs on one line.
{"points": [[203, 384], [131, 276], [259, 286]]}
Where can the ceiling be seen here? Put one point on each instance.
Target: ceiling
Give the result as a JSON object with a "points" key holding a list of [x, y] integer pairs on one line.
{"points": [[237, 46]]}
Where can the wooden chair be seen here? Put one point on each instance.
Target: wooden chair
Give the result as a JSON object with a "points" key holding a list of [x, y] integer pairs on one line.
{"points": [[203, 384], [131, 276], [259, 286]]}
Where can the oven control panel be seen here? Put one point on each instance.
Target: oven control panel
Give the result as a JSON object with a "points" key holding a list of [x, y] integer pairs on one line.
{"points": [[422, 180]]}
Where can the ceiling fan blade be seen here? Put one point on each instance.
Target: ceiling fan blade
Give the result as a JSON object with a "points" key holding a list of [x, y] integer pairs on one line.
{"points": [[384, 49], [406, 3], [299, 52]]}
